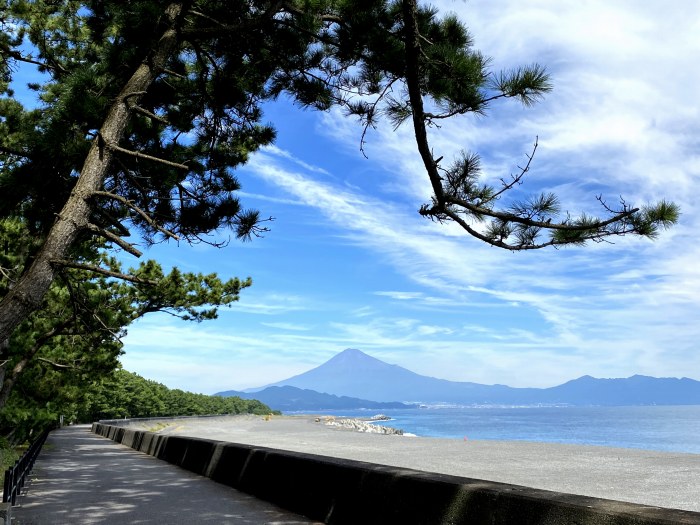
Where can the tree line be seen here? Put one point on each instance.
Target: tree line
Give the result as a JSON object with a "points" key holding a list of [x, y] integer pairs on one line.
{"points": [[117, 395]]}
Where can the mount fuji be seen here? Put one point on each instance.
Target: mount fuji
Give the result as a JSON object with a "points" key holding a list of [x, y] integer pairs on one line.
{"points": [[354, 374]]}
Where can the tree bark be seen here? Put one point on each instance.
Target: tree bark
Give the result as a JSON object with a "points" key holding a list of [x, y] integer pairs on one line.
{"points": [[27, 294]]}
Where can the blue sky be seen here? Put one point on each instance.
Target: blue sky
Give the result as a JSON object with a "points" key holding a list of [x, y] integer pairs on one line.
{"points": [[350, 263]]}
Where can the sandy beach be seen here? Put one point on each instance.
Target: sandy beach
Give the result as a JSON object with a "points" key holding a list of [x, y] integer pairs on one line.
{"points": [[653, 478]]}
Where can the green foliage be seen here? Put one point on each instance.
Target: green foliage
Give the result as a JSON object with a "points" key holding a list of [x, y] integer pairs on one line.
{"points": [[646, 221], [75, 338], [204, 113], [653, 217], [184, 295], [528, 84], [523, 222], [114, 394], [8, 455], [128, 395]]}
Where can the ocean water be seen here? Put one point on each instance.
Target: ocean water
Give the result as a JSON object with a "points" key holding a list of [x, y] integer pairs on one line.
{"points": [[667, 428]]}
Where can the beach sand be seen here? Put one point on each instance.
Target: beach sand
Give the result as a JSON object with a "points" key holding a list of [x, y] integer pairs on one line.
{"points": [[653, 478]]}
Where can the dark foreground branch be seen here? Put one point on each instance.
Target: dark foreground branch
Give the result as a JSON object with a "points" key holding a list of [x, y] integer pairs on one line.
{"points": [[103, 271]]}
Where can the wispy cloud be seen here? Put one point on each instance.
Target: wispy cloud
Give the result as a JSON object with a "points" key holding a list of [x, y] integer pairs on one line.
{"points": [[296, 160], [459, 266], [402, 296], [287, 326], [269, 304]]}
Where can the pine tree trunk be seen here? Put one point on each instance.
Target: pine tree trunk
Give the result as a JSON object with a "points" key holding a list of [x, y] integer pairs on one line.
{"points": [[27, 294]]}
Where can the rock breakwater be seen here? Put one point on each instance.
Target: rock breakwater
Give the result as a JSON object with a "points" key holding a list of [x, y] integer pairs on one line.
{"points": [[358, 425]]}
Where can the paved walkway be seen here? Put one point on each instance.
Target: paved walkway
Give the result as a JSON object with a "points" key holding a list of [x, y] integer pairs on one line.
{"points": [[81, 478]]}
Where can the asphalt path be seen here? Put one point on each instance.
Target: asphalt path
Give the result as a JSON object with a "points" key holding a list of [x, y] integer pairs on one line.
{"points": [[653, 478], [81, 478]]}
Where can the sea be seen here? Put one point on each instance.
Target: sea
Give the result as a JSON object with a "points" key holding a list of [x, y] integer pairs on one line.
{"points": [[664, 428]]}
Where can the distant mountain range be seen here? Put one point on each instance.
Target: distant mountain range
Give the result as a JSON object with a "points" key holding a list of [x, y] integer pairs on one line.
{"points": [[361, 379], [290, 398]]}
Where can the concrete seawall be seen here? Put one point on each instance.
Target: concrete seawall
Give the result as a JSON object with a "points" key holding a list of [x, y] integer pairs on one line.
{"points": [[340, 491]]}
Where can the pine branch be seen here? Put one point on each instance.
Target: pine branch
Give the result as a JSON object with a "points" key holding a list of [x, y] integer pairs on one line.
{"points": [[221, 28], [372, 110], [207, 17], [19, 367], [139, 211], [5, 274], [57, 366], [135, 107], [12, 151], [327, 17], [115, 239], [132, 94], [448, 205], [172, 73], [152, 116], [517, 178], [78, 304], [500, 243], [103, 271], [509, 217], [16, 55], [123, 230], [463, 109], [140, 155], [413, 51]]}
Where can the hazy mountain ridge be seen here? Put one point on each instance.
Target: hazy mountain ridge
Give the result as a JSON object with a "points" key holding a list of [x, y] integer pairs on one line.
{"points": [[354, 374], [290, 398]]}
